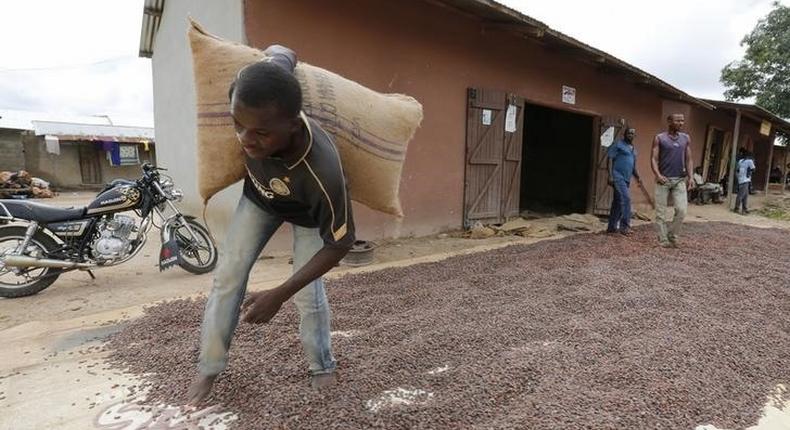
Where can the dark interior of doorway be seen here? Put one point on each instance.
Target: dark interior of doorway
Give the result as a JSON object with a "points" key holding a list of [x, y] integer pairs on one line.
{"points": [[714, 157], [555, 166]]}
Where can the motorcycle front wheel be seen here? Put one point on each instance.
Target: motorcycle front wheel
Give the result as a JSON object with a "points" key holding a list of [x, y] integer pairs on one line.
{"points": [[25, 281], [198, 255]]}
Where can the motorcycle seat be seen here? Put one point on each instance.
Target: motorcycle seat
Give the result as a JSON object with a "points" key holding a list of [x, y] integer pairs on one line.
{"points": [[40, 212]]}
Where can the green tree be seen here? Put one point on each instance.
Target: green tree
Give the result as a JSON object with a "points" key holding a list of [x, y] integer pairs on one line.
{"points": [[764, 71]]}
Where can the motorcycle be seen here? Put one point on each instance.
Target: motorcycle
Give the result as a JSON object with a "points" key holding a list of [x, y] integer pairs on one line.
{"points": [[40, 242]]}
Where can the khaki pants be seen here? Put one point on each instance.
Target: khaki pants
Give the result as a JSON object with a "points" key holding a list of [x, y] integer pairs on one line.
{"points": [[676, 189]]}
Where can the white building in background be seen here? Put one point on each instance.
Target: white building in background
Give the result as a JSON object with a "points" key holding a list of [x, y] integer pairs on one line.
{"points": [[71, 151]]}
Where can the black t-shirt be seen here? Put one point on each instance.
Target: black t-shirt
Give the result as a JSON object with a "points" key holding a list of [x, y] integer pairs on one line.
{"points": [[309, 192]]}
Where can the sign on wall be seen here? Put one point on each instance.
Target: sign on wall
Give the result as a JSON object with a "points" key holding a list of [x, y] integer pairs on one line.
{"points": [[568, 95], [607, 137], [487, 115], [52, 144], [765, 128], [510, 119]]}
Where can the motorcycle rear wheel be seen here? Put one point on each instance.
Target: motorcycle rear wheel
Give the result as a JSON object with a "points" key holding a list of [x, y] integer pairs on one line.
{"points": [[26, 281]]}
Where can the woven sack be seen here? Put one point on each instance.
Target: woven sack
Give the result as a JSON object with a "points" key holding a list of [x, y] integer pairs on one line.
{"points": [[370, 130]]}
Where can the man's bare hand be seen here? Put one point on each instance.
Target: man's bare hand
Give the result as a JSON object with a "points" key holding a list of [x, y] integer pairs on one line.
{"points": [[661, 179], [689, 183], [261, 307]]}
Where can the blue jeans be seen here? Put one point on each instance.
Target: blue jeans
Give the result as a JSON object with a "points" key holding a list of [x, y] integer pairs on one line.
{"points": [[250, 230], [620, 213]]}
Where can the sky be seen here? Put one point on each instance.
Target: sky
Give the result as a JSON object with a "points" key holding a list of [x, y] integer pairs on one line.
{"points": [[80, 57], [76, 57], [686, 43]]}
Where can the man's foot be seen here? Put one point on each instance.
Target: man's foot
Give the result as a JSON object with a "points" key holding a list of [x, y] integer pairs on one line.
{"points": [[322, 380], [665, 244], [200, 389], [627, 232]]}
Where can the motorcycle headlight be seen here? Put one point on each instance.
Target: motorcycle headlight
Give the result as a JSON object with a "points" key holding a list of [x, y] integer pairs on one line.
{"points": [[169, 189], [177, 194], [166, 182]]}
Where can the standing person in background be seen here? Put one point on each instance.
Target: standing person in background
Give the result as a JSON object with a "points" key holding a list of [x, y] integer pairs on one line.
{"points": [[744, 170], [622, 166], [670, 160]]}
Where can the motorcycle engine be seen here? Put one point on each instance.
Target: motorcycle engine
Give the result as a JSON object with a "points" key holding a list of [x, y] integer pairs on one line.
{"points": [[113, 240]]}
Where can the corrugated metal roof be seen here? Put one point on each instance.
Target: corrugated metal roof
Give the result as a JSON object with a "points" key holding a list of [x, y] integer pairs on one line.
{"points": [[755, 110], [152, 17], [23, 120], [75, 131]]}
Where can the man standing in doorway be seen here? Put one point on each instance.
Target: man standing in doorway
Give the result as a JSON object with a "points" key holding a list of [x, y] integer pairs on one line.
{"points": [[670, 159], [622, 165], [743, 171]]}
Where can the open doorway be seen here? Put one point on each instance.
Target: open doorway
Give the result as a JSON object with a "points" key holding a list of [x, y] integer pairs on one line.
{"points": [[714, 156], [556, 160]]}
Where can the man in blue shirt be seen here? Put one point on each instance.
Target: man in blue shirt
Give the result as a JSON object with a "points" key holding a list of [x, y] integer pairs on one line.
{"points": [[622, 165], [744, 170]]}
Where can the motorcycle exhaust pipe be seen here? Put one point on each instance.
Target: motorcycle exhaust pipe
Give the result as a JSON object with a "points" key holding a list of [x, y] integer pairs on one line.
{"points": [[24, 261]]}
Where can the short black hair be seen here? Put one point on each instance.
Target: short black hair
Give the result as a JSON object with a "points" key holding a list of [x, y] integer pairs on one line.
{"points": [[262, 83]]}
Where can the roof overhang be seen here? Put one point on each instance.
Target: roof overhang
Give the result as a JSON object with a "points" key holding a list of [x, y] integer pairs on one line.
{"points": [[496, 16], [95, 132], [152, 17], [756, 112]]}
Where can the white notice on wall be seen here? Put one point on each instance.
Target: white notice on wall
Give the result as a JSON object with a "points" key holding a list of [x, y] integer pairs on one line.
{"points": [[487, 116], [607, 137], [510, 119], [765, 128], [568, 95], [52, 144]]}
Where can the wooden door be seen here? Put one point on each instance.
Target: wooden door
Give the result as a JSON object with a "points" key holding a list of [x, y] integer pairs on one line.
{"points": [[89, 163], [610, 130], [511, 163], [714, 151], [485, 129]]}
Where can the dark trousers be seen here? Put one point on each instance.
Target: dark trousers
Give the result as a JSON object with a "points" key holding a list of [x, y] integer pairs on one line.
{"points": [[620, 213], [743, 196]]}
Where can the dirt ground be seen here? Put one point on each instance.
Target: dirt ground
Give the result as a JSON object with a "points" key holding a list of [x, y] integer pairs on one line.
{"points": [[53, 336], [589, 331], [139, 281]]}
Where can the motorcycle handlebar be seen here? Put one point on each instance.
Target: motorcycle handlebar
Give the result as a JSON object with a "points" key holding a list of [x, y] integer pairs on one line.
{"points": [[147, 167]]}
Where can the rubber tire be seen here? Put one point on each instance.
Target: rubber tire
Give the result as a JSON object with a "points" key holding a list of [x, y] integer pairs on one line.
{"points": [[48, 243], [199, 270]]}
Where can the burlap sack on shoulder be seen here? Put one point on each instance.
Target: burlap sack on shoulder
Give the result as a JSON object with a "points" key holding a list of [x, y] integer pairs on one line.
{"points": [[371, 130]]}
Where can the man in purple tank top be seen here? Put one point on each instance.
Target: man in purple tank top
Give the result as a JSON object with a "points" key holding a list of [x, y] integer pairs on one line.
{"points": [[671, 159]]}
